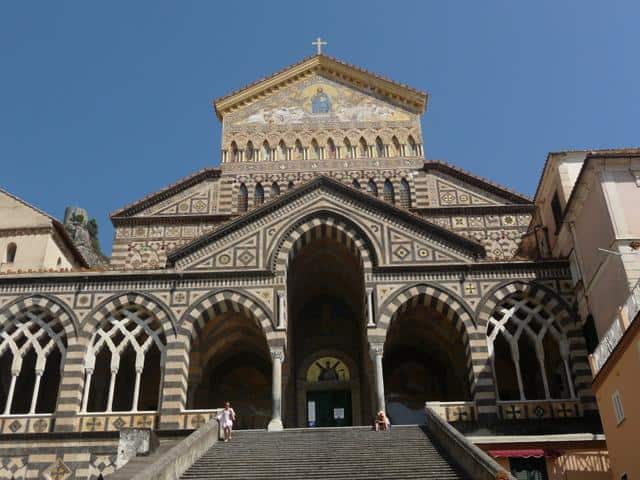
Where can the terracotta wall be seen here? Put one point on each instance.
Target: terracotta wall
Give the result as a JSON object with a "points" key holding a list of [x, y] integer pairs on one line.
{"points": [[622, 439]]}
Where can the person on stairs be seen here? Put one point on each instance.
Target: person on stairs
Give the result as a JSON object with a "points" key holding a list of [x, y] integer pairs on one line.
{"points": [[381, 422], [225, 418]]}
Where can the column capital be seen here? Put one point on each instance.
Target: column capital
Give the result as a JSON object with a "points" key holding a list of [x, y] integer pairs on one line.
{"points": [[277, 354], [376, 349]]}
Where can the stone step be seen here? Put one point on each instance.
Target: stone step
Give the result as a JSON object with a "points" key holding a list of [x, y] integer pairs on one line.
{"points": [[350, 453]]}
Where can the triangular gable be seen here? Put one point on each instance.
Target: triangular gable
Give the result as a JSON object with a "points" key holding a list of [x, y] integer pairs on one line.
{"points": [[16, 213], [450, 186], [394, 92], [397, 237], [192, 195]]}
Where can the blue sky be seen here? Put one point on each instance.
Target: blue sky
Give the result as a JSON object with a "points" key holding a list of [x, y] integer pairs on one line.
{"points": [[102, 103]]}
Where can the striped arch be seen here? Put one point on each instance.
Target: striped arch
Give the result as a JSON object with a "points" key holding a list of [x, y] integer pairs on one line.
{"points": [[153, 305], [54, 306], [323, 225], [37, 323], [191, 325], [453, 308], [73, 379], [195, 318], [566, 319]]}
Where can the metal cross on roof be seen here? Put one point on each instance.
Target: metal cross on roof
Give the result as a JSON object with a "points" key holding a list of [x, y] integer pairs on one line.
{"points": [[319, 43]]}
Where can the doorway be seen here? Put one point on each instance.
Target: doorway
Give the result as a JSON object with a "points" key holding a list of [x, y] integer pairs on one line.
{"points": [[329, 408]]}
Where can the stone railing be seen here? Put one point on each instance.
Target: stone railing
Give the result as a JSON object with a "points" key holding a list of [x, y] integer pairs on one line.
{"points": [[469, 458], [454, 411], [539, 409], [627, 314]]}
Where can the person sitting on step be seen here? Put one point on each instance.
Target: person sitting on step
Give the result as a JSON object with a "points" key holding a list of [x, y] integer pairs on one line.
{"points": [[381, 422]]}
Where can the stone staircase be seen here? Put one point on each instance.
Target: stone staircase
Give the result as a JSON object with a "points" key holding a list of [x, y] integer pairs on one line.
{"points": [[353, 453]]}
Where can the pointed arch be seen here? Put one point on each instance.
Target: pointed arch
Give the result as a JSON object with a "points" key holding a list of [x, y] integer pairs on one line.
{"points": [[380, 150], [508, 306], [355, 184], [235, 156], [396, 147], [348, 148], [243, 198], [315, 150], [290, 185], [363, 148], [249, 152], [322, 224], [446, 303], [298, 151], [258, 195], [372, 187], [266, 151], [405, 194], [412, 146], [282, 151], [388, 193], [34, 335], [227, 300], [275, 189], [332, 152]]}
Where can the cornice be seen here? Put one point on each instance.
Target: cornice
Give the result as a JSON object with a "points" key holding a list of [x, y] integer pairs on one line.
{"points": [[170, 219]]}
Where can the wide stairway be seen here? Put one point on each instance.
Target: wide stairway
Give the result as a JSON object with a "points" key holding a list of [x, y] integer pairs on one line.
{"points": [[404, 452]]}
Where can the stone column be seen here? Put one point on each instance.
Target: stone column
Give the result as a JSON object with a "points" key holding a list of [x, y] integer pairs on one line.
{"points": [[282, 310], [277, 357], [370, 321], [376, 350]]}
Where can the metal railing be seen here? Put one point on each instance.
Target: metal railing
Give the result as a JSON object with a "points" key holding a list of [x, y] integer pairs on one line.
{"points": [[620, 324]]}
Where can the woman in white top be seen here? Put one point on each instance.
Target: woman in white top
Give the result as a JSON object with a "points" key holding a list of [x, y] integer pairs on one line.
{"points": [[226, 417]]}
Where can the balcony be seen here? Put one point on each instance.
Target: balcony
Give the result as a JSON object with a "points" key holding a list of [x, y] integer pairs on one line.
{"points": [[623, 320]]}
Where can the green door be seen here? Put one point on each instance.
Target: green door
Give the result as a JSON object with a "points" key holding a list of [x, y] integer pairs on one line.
{"points": [[329, 408]]}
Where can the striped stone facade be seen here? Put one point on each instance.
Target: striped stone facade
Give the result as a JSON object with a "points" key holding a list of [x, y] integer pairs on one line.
{"points": [[187, 255]]}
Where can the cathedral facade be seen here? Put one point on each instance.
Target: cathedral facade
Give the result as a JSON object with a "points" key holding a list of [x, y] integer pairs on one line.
{"points": [[324, 271]]}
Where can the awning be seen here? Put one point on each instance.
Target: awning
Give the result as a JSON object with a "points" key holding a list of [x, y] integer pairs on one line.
{"points": [[520, 453]]}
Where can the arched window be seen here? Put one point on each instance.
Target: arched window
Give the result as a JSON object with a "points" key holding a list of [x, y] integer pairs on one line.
{"points": [[397, 149], [290, 185], [12, 248], [348, 148], [364, 149], [387, 192], [249, 152], [298, 151], [372, 188], [413, 148], [266, 151], [405, 194], [529, 350], [123, 362], [282, 151], [243, 198], [355, 184], [315, 150], [379, 147], [32, 346], [258, 195], [275, 189], [235, 157], [331, 149]]}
